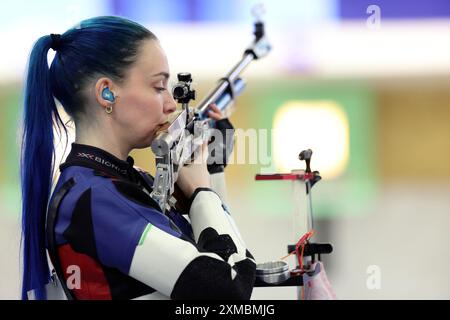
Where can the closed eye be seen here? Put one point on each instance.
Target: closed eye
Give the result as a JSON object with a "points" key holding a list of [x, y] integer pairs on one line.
{"points": [[160, 89]]}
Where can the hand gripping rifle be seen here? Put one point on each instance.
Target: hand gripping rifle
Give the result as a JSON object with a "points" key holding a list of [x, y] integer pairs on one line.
{"points": [[175, 146]]}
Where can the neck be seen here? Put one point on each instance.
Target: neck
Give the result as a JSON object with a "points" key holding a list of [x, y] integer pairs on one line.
{"points": [[96, 138]]}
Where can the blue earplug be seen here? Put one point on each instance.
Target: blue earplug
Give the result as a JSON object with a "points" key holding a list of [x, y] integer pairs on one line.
{"points": [[108, 95]]}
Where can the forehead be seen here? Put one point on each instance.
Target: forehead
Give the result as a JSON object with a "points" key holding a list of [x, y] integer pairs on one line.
{"points": [[151, 59]]}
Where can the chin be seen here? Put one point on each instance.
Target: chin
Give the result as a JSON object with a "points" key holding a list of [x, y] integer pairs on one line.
{"points": [[144, 142], [142, 146]]}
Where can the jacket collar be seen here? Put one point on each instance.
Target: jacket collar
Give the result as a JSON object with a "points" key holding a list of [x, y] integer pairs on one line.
{"points": [[99, 159]]}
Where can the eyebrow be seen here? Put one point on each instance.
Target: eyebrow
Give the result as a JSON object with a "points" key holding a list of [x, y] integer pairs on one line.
{"points": [[164, 74]]}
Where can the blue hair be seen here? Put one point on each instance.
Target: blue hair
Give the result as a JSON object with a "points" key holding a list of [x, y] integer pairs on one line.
{"points": [[101, 46]]}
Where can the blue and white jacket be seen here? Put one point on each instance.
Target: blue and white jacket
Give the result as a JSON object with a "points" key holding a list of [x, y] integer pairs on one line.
{"points": [[111, 232]]}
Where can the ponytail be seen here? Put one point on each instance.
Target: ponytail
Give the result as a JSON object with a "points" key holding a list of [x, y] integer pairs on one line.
{"points": [[82, 55], [36, 163]]}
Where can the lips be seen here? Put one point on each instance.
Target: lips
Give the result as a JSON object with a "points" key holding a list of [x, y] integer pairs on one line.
{"points": [[162, 127]]}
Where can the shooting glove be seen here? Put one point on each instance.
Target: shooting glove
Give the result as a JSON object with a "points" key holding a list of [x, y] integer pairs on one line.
{"points": [[220, 146]]}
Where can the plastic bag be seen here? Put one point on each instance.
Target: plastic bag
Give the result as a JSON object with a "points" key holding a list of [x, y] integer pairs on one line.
{"points": [[317, 286]]}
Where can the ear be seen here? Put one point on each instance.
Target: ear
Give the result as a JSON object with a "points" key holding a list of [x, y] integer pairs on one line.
{"points": [[100, 85]]}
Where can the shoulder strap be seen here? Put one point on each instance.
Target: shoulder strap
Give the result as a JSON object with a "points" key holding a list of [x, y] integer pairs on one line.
{"points": [[52, 216]]}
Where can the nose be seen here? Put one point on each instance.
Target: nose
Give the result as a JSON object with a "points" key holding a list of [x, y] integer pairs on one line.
{"points": [[170, 105]]}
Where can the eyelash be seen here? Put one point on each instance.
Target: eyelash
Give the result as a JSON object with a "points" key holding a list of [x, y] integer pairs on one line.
{"points": [[160, 89]]}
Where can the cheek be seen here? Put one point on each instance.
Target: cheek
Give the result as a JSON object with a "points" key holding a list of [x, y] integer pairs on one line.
{"points": [[138, 98], [140, 113]]}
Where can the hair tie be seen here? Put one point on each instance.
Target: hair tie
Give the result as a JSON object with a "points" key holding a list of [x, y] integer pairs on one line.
{"points": [[56, 41]]}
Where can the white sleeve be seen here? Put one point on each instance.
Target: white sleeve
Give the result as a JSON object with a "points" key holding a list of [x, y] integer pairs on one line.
{"points": [[216, 266], [208, 212], [218, 184]]}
